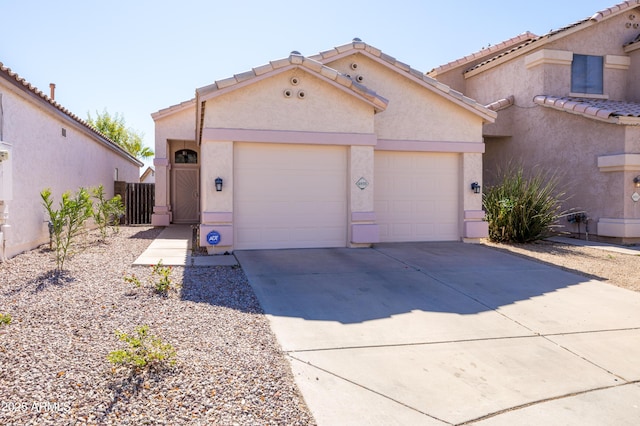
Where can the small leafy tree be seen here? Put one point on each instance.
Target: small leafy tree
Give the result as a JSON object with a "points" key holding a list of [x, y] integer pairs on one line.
{"points": [[67, 221], [523, 209], [106, 212], [115, 128], [143, 352]]}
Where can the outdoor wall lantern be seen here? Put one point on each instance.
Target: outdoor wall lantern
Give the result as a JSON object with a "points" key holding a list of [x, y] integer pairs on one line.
{"points": [[475, 187], [636, 180], [218, 184]]}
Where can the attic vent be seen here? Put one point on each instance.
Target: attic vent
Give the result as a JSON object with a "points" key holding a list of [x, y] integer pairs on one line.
{"points": [[287, 93], [359, 78], [354, 66], [295, 81], [301, 94]]}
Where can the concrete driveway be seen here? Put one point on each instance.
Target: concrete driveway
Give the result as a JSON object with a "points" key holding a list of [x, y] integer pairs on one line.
{"points": [[450, 333]]}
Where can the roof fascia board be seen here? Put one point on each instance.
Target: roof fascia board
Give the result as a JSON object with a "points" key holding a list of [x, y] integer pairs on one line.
{"points": [[437, 87], [48, 107], [166, 112]]}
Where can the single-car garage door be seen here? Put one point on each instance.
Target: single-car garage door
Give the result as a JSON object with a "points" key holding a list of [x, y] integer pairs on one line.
{"points": [[417, 196], [289, 196]]}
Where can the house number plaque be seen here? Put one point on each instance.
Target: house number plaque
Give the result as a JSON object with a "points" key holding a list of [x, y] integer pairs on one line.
{"points": [[362, 183]]}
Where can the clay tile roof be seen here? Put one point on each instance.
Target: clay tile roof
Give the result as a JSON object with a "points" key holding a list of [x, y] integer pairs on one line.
{"points": [[597, 17], [401, 67], [601, 109], [500, 104], [487, 51], [295, 59], [21, 82]]}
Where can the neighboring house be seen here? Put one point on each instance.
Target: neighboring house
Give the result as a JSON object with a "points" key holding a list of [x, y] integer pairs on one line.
{"points": [[47, 147], [568, 103], [342, 149], [149, 176]]}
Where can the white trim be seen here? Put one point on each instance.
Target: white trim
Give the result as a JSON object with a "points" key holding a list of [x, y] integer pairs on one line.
{"points": [[286, 136], [429, 146], [548, 56], [619, 163], [621, 228], [617, 62]]}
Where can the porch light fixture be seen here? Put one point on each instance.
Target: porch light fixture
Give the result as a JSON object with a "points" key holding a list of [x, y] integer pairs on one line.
{"points": [[636, 180], [218, 184], [475, 187]]}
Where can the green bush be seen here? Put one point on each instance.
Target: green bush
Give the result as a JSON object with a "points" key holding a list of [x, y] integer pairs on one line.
{"points": [[67, 221], [144, 351], [523, 209], [106, 212], [5, 319]]}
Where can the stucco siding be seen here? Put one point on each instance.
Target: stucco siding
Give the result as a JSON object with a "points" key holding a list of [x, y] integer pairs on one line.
{"points": [[413, 113], [314, 105], [42, 157]]}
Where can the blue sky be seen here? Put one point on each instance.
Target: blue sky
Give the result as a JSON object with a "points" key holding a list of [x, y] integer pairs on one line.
{"points": [[135, 57]]}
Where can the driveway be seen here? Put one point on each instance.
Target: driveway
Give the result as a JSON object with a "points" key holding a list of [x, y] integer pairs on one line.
{"points": [[450, 333]]}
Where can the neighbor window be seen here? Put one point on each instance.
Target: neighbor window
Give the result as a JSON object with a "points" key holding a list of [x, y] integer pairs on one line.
{"points": [[586, 74]]}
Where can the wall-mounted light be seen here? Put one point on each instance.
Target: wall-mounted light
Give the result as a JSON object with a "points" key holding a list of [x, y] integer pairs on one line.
{"points": [[218, 184], [475, 187], [636, 180]]}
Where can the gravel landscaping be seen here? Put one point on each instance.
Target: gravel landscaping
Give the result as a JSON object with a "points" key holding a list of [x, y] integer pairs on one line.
{"points": [[53, 354]]}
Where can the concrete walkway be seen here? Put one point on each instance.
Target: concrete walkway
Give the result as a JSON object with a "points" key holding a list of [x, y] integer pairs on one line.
{"points": [[450, 333], [173, 248]]}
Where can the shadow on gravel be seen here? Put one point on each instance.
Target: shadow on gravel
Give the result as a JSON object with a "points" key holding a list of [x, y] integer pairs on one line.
{"points": [[560, 251], [128, 388], [223, 286], [43, 281]]}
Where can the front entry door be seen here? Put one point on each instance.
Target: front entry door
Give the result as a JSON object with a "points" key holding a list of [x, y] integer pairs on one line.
{"points": [[185, 194]]}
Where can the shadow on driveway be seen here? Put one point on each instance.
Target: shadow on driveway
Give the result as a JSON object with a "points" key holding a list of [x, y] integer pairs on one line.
{"points": [[357, 285]]}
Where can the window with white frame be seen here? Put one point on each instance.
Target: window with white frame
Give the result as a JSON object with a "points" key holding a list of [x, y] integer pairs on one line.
{"points": [[587, 74]]}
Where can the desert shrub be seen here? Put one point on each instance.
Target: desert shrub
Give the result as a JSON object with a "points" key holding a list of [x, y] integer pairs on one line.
{"points": [[160, 279], [66, 222], [143, 352], [5, 319], [106, 212], [521, 209]]}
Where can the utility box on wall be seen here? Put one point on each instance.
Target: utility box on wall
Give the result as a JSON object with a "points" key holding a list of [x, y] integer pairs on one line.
{"points": [[6, 172]]}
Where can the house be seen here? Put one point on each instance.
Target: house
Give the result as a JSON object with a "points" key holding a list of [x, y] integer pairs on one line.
{"points": [[148, 176], [342, 149], [568, 102], [43, 145]]}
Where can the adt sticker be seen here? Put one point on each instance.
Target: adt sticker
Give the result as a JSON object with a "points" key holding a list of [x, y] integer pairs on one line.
{"points": [[213, 238]]}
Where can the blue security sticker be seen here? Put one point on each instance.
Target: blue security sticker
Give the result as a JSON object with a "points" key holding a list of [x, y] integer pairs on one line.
{"points": [[213, 238]]}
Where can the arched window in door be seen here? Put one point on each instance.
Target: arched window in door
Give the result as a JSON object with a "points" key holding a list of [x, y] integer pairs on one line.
{"points": [[186, 156]]}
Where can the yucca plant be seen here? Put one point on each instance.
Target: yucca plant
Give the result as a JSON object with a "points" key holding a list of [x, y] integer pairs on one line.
{"points": [[523, 209]]}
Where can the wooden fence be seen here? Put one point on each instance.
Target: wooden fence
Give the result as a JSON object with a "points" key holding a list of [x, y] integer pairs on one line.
{"points": [[138, 199]]}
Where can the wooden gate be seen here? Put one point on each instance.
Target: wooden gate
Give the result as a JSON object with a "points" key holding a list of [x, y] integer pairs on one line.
{"points": [[138, 199]]}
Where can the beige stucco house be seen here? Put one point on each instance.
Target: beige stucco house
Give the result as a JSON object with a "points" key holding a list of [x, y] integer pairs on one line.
{"points": [[43, 145], [342, 149], [567, 101]]}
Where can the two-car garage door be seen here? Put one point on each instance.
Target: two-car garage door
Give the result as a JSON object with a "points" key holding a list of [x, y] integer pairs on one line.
{"points": [[295, 196], [289, 196]]}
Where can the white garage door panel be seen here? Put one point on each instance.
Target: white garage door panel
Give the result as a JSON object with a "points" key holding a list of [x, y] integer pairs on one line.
{"points": [[289, 196], [416, 196]]}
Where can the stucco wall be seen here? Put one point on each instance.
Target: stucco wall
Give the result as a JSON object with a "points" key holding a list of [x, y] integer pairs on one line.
{"points": [[570, 146], [43, 158], [262, 105], [413, 113]]}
